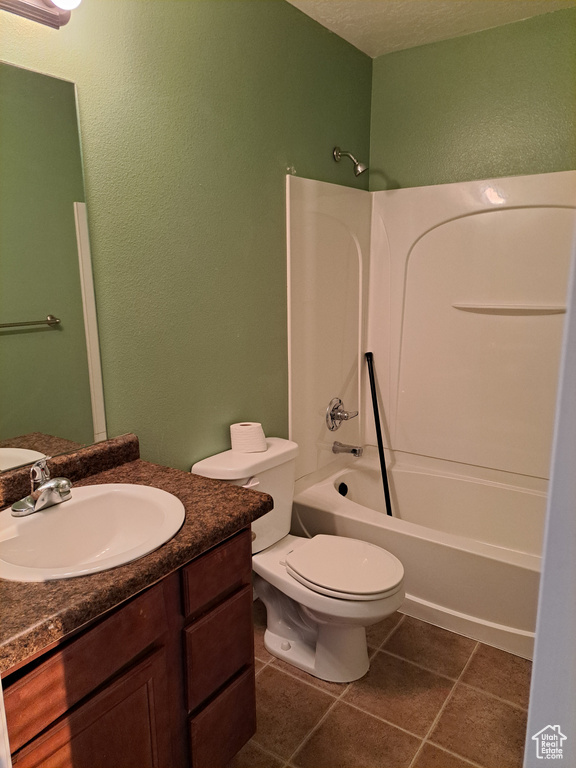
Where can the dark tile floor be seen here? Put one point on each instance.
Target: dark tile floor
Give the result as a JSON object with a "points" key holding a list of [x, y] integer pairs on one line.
{"points": [[432, 699]]}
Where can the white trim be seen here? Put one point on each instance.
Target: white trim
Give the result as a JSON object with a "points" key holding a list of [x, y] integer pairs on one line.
{"points": [[90, 322], [289, 305], [554, 673]]}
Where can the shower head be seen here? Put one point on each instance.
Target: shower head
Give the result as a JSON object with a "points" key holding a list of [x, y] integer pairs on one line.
{"points": [[338, 154]]}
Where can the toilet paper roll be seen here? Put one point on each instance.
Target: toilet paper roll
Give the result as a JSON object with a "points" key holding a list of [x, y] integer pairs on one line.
{"points": [[248, 437]]}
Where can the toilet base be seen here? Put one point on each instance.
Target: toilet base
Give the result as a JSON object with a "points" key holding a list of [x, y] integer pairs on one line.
{"points": [[340, 654], [325, 648]]}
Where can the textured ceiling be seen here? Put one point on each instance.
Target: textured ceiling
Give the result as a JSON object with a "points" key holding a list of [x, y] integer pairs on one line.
{"points": [[381, 26]]}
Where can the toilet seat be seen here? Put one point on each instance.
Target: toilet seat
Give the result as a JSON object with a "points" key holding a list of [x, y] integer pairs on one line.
{"points": [[345, 568]]}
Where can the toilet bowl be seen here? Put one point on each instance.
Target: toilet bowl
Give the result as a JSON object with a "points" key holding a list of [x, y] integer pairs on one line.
{"points": [[324, 634], [320, 593]]}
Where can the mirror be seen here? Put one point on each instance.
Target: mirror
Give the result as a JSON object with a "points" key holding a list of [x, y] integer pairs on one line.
{"points": [[49, 373]]}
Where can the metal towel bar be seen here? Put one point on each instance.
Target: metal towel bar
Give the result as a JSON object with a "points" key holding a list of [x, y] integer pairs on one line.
{"points": [[50, 320]]}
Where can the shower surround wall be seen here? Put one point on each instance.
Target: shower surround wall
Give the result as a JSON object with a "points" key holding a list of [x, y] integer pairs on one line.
{"points": [[462, 302], [328, 241], [469, 281]]}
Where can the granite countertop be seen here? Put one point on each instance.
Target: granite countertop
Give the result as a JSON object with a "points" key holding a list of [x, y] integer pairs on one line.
{"points": [[50, 445], [35, 615]]}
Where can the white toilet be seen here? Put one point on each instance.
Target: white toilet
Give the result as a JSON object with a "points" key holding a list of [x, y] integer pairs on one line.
{"points": [[320, 593]]}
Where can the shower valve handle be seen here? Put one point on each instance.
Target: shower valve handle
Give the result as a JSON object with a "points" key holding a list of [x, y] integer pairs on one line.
{"points": [[336, 414]]}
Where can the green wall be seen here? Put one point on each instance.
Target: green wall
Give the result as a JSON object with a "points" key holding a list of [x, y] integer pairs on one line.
{"points": [[44, 385], [496, 103], [191, 113]]}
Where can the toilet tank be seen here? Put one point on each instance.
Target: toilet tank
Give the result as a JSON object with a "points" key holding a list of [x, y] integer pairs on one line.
{"points": [[271, 471]]}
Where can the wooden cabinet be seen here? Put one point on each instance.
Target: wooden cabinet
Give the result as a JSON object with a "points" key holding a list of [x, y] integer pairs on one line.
{"points": [[165, 680]]}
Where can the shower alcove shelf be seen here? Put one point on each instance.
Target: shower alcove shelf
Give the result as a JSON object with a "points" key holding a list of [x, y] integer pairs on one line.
{"points": [[510, 309]]}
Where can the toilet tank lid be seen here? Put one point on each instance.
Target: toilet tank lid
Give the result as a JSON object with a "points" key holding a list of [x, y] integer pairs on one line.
{"points": [[234, 465]]}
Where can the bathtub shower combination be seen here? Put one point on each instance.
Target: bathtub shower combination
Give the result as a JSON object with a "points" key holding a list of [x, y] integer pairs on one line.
{"points": [[459, 290]]}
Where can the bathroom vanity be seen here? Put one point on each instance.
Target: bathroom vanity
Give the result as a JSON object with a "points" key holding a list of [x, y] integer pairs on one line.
{"points": [[149, 664]]}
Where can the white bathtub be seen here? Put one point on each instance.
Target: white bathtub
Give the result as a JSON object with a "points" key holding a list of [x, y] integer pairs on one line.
{"points": [[470, 547]]}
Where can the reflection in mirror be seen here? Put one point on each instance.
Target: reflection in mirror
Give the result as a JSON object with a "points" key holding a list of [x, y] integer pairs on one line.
{"points": [[47, 372]]}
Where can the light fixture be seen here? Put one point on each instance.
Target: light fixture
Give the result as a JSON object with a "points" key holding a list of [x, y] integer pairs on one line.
{"points": [[64, 5], [53, 13]]}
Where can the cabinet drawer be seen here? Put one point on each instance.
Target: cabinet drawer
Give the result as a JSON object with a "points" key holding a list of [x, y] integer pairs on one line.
{"points": [[218, 645], [225, 725], [216, 574], [70, 674]]}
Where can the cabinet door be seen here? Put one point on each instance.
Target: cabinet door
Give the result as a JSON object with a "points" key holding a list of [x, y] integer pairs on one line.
{"points": [[120, 727], [67, 676]]}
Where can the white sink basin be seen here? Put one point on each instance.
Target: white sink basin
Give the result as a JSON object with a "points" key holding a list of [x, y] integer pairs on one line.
{"points": [[16, 457], [100, 527]]}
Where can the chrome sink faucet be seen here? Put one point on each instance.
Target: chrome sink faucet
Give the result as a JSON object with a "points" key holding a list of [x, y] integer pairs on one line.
{"points": [[44, 491]]}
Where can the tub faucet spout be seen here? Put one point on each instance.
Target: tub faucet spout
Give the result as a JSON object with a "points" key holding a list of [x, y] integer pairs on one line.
{"points": [[355, 450]]}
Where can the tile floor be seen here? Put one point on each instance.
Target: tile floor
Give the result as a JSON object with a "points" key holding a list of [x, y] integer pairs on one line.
{"points": [[432, 699]]}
